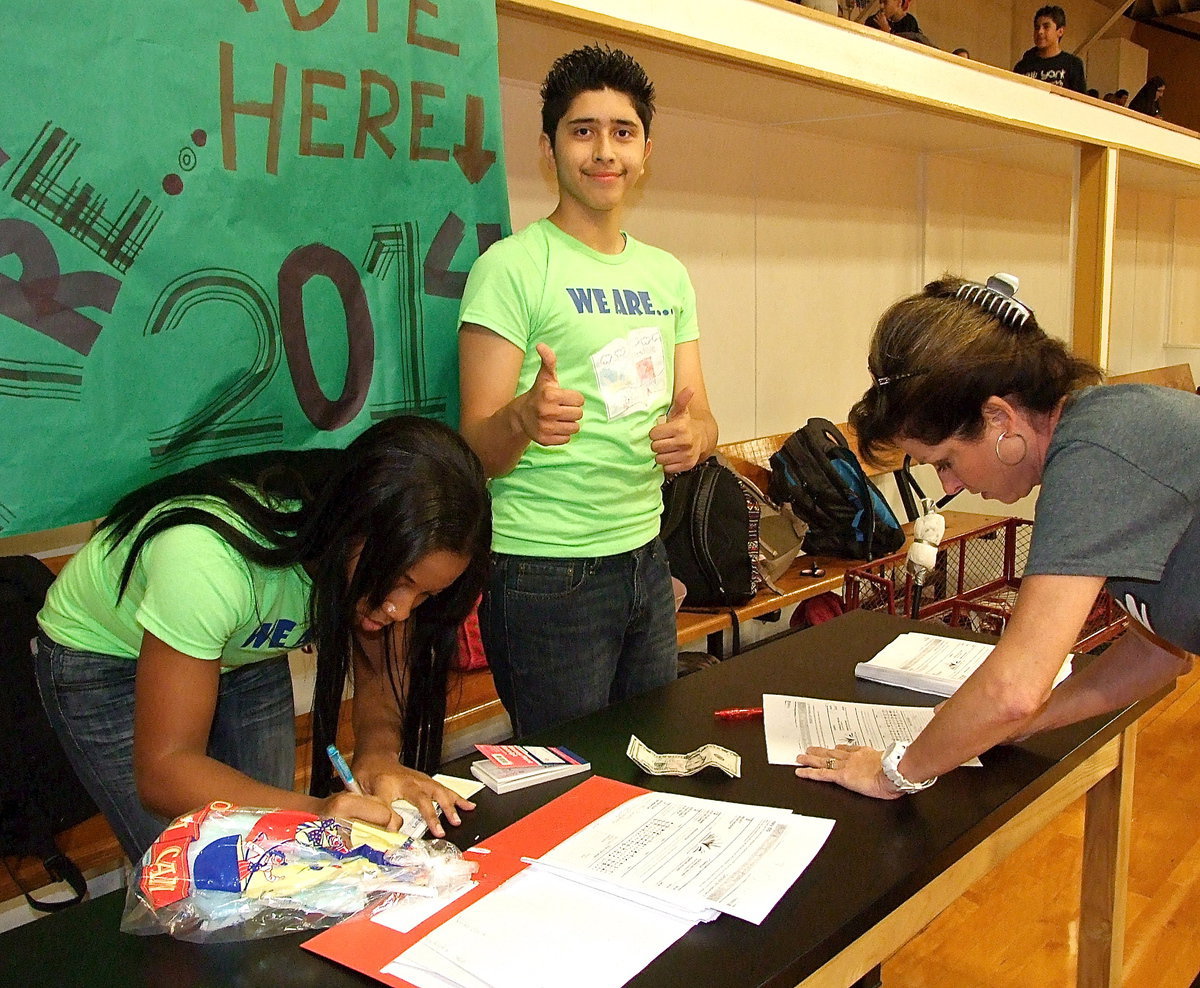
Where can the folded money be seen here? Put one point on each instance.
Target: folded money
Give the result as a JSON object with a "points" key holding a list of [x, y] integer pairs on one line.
{"points": [[648, 760]]}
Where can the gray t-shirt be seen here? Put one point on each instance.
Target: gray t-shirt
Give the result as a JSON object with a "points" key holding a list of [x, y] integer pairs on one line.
{"points": [[1120, 498]]}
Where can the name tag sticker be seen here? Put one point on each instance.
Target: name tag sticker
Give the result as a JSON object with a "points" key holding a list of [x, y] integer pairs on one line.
{"points": [[631, 372]]}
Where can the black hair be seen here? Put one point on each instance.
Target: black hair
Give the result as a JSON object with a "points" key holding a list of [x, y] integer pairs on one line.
{"points": [[1145, 100], [1056, 14], [591, 68], [406, 487], [937, 358]]}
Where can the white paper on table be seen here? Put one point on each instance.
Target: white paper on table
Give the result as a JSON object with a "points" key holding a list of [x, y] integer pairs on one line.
{"points": [[539, 930], [932, 663], [695, 853], [796, 723], [411, 911]]}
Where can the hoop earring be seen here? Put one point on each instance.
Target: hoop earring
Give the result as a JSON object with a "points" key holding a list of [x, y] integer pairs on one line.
{"points": [[1024, 449]]}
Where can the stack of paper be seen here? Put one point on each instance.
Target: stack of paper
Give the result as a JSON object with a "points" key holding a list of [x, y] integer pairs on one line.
{"points": [[515, 766], [930, 663]]}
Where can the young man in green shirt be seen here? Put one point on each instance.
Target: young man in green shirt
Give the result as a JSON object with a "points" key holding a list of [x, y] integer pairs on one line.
{"points": [[581, 386]]}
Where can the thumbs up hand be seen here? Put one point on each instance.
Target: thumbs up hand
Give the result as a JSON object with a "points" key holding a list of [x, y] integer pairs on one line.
{"points": [[548, 414], [676, 441]]}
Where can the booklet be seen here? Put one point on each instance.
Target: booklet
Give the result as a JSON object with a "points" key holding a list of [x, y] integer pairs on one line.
{"points": [[931, 664], [516, 766]]}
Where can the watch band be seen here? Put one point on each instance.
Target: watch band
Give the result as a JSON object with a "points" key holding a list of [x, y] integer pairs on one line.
{"points": [[891, 769]]}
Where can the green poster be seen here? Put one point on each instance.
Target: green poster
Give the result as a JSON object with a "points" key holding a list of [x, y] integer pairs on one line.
{"points": [[229, 226]]}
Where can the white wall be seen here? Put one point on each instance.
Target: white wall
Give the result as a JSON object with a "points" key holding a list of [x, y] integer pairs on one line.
{"points": [[1141, 282]]}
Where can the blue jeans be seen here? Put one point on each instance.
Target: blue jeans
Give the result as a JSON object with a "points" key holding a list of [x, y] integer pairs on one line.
{"points": [[89, 700], [565, 637]]}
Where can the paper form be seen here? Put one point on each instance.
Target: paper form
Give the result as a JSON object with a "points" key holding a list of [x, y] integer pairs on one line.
{"points": [[795, 723], [694, 853], [411, 911], [539, 930]]}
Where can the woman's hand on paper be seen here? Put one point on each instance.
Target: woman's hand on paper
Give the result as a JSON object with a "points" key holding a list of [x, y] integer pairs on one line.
{"points": [[851, 766], [385, 779]]}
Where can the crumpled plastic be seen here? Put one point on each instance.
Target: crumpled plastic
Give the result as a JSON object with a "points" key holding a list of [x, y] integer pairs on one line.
{"points": [[225, 873]]}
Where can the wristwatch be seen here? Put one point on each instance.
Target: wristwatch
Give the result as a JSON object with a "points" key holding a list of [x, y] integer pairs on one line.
{"points": [[891, 769]]}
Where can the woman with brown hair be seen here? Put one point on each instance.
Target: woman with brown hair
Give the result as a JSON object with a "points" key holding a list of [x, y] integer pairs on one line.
{"points": [[965, 379]]}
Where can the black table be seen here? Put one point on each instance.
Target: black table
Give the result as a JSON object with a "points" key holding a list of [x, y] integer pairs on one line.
{"points": [[886, 871]]}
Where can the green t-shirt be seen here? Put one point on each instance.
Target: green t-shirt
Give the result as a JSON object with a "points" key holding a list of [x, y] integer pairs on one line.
{"points": [[613, 321], [189, 588]]}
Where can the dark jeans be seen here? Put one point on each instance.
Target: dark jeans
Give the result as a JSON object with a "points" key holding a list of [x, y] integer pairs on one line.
{"points": [[565, 637], [89, 700]]}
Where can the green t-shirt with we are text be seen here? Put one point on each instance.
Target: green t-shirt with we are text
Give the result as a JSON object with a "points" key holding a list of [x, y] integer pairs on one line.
{"points": [[613, 322], [189, 588]]}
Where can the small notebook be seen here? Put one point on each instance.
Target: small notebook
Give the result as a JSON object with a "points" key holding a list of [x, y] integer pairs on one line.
{"points": [[514, 766]]}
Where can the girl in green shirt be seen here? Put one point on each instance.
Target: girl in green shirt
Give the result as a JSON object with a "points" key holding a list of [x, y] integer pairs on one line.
{"points": [[162, 657]]}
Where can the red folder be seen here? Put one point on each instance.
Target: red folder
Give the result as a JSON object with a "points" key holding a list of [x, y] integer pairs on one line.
{"points": [[366, 947]]}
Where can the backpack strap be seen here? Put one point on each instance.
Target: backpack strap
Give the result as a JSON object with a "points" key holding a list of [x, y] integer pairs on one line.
{"points": [[862, 488], [675, 504], [60, 868]]}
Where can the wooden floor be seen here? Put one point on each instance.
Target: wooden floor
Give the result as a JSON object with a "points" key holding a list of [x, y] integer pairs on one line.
{"points": [[1018, 927]]}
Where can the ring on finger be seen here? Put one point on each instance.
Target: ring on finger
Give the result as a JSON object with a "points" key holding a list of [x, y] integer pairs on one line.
{"points": [[831, 763]]}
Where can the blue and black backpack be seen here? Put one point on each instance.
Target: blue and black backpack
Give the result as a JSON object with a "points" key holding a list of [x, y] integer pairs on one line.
{"points": [[817, 473]]}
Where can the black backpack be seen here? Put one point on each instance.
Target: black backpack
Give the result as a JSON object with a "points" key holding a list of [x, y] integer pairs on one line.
{"points": [[40, 795], [710, 529], [818, 474]]}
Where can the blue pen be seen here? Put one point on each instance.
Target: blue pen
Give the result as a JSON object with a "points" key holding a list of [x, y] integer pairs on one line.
{"points": [[343, 770]]}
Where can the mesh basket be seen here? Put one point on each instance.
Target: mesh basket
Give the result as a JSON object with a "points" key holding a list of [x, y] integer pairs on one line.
{"points": [[974, 585]]}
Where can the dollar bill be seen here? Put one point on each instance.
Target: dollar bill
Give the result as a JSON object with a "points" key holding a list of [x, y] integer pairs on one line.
{"points": [[649, 760]]}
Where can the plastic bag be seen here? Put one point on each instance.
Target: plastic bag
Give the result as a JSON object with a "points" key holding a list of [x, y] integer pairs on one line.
{"points": [[228, 872]]}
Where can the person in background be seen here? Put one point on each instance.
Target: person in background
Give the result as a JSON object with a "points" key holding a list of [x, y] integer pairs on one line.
{"points": [[965, 379], [1146, 100], [581, 386], [162, 658], [1046, 60], [962, 53], [1094, 93], [893, 17], [1121, 97]]}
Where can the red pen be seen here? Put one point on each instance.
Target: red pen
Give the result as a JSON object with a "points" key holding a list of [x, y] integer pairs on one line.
{"points": [[739, 713]]}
